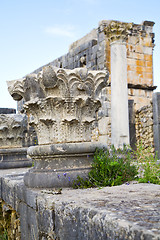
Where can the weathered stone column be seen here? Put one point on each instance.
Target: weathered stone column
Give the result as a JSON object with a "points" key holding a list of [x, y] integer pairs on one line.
{"points": [[117, 33], [13, 152], [62, 105]]}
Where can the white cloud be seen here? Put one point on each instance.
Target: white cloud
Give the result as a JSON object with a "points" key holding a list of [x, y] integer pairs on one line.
{"points": [[61, 30]]}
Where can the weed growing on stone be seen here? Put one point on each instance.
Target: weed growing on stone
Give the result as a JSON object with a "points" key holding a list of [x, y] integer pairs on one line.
{"points": [[148, 167], [115, 167], [110, 168]]}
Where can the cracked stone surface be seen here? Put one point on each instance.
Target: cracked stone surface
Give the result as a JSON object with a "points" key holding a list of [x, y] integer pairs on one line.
{"points": [[130, 211], [134, 206]]}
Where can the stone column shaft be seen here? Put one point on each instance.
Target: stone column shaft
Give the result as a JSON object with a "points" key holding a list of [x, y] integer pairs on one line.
{"points": [[117, 33], [119, 95]]}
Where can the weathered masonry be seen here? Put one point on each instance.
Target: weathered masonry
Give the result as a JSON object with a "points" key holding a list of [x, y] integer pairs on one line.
{"points": [[15, 137], [112, 213], [62, 106], [99, 93], [126, 51]]}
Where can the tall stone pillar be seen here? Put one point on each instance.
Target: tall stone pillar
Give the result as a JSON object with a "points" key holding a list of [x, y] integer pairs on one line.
{"points": [[62, 105], [117, 33]]}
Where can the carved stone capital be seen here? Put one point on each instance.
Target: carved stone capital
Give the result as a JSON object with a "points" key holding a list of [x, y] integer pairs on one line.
{"points": [[12, 130], [118, 31], [62, 104], [13, 153], [15, 89]]}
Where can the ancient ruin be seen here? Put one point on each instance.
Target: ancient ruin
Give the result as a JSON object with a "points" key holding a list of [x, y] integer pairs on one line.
{"points": [[99, 93], [62, 106], [95, 52]]}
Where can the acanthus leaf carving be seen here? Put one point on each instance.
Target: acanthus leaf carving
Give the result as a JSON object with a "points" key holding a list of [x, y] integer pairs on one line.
{"points": [[62, 104], [12, 130], [118, 30], [15, 89]]}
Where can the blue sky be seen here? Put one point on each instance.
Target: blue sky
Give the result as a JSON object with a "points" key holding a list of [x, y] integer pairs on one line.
{"points": [[35, 32]]}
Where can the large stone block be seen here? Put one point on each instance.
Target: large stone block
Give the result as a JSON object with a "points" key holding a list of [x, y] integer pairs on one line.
{"points": [[59, 165], [120, 212], [14, 158], [103, 125], [7, 110]]}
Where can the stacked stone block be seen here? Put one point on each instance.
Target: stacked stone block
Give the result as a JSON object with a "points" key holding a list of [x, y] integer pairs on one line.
{"points": [[139, 55], [141, 97], [93, 51], [84, 52], [140, 46], [104, 116], [144, 126]]}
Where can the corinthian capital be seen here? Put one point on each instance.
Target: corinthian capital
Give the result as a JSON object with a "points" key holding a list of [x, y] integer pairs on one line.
{"points": [[12, 130], [118, 31], [62, 104]]}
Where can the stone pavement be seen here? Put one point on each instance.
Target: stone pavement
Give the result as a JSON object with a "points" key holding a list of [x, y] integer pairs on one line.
{"points": [[130, 211]]}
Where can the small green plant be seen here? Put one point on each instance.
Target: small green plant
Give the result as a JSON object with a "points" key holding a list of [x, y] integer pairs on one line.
{"points": [[109, 168], [4, 236], [32, 163], [148, 167]]}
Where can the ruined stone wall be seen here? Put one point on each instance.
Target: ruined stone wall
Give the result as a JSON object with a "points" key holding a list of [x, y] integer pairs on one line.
{"points": [[144, 126], [139, 47], [89, 51], [140, 64], [9, 222], [139, 55], [93, 51], [141, 97]]}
